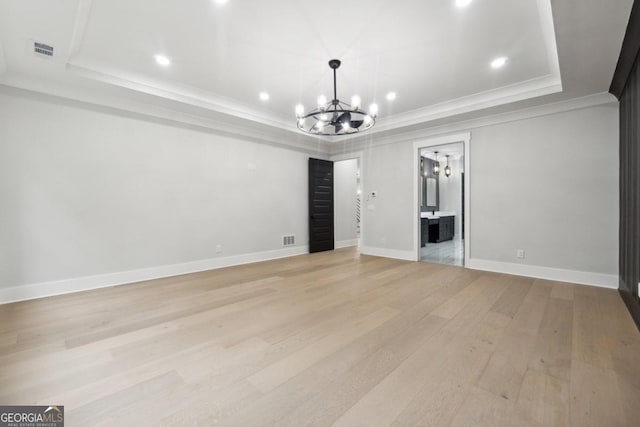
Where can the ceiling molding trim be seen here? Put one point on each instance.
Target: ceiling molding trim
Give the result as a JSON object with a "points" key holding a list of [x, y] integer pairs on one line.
{"points": [[602, 98], [517, 92], [549, 33], [544, 85], [79, 27], [184, 96], [20, 85]]}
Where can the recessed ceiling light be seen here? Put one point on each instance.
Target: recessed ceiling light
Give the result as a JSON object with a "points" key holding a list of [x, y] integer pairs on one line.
{"points": [[221, 1], [463, 3], [264, 96], [162, 60], [391, 96], [499, 62]]}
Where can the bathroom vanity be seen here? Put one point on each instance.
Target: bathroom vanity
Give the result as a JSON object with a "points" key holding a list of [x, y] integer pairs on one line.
{"points": [[436, 227]]}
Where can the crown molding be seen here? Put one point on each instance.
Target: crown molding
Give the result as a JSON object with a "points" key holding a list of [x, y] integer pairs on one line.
{"points": [[544, 85], [549, 33], [507, 94], [593, 100], [83, 12], [34, 88], [541, 86], [185, 95]]}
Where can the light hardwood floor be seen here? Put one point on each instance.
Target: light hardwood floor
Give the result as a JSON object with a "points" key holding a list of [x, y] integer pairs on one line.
{"points": [[328, 339]]}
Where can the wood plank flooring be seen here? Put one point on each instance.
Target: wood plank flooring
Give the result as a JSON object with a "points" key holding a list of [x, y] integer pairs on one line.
{"points": [[326, 339]]}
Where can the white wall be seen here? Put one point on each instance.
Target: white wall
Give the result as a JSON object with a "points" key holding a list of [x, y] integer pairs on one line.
{"points": [[86, 193], [548, 185], [345, 178]]}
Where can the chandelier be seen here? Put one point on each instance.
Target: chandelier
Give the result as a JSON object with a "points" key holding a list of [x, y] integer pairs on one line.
{"points": [[336, 118]]}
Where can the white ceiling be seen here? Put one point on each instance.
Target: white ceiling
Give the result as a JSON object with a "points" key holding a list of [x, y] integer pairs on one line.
{"points": [[434, 55]]}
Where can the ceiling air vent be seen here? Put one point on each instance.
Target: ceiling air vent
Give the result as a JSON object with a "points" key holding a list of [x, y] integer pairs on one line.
{"points": [[43, 49]]}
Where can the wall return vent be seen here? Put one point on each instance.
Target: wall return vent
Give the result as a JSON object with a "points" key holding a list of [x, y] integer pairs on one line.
{"points": [[43, 49]]}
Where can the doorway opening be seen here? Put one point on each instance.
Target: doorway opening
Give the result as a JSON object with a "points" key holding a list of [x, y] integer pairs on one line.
{"points": [[347, 202], [349, 185], [442, 200]]}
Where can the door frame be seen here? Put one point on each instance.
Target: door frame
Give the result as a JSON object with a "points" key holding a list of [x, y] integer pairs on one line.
{"points": [[463, 138], [358, 155]]}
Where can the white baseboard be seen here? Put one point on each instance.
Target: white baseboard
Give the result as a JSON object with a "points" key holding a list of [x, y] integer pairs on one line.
{"points": [[346, 243], [66, 286], [548, 273], [389, 253]]}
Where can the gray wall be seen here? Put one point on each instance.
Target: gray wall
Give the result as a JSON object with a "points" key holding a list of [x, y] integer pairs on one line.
{"points": [[548, 185], [87, 193]]}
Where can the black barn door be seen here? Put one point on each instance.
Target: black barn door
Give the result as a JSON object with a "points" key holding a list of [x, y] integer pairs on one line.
{"points": [[320, 205]]}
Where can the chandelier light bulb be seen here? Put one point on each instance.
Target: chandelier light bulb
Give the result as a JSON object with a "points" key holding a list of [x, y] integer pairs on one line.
{"points": [[299, 110], [322, 102], [356, 102], [373, 110], [368, 120]]}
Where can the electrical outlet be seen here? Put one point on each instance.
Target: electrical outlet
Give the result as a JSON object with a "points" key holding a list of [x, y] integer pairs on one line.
{"points": [[218, 249], [520, 253]]}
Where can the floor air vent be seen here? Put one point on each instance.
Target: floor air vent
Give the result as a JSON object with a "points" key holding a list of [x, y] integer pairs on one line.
{"points": [[288, 240], [43, 49]]}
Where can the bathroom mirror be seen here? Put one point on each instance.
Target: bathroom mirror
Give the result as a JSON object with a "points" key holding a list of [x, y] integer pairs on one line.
{"points": [[431, 191]]}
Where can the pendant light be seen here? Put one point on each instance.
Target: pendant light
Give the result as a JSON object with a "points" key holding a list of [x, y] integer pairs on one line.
{"points": [[447, 169], [436, 165]]}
